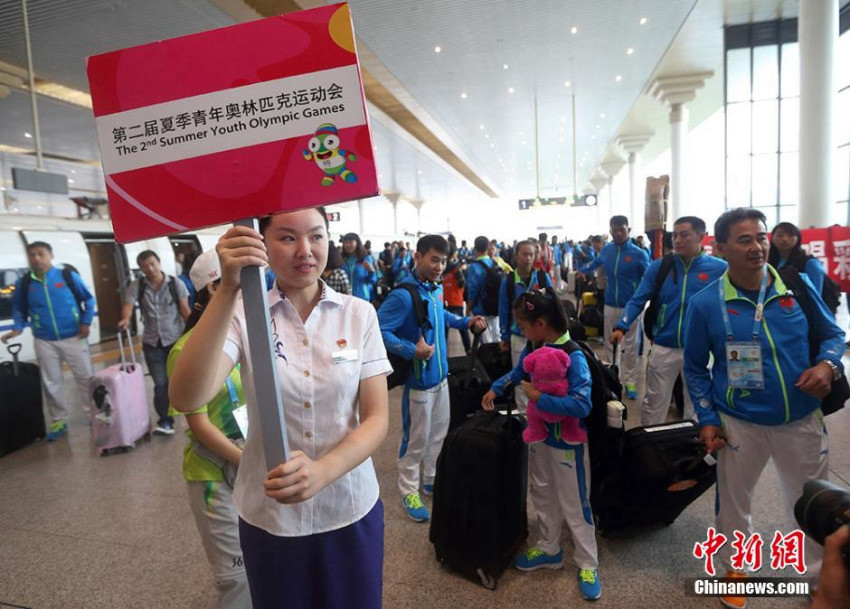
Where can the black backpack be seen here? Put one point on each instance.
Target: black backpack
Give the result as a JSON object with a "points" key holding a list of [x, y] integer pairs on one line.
{"points": [[830, 292], [26, 280], [651, 315], [402, 367], [840, 391], [492, 285]]}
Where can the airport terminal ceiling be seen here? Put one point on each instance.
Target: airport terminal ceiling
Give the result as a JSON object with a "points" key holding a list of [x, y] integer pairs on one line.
{"points": [[467, 72]]}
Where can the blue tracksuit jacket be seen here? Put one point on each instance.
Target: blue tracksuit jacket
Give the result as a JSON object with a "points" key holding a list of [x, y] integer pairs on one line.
{"points": [[400, 332], [53, 310], [783, 336], [360, 279], [682, 283], [624, 266], [475, 283]]}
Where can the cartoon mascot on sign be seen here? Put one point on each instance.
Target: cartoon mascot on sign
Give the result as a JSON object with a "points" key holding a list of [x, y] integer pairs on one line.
{"points": [[324, 150]]}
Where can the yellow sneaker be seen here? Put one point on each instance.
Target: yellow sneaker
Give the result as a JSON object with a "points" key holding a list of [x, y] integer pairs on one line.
{"points": [[734, 602]]}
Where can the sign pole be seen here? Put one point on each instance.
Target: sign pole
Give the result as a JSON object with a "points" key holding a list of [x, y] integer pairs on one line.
{"points": [[266, 383]]}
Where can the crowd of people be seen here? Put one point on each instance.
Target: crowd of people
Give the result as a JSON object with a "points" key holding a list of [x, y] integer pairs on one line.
{"points": [[279, 534]]}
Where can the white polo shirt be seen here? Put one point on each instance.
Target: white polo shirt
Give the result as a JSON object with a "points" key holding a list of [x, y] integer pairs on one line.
{"points": [[320, 401]]}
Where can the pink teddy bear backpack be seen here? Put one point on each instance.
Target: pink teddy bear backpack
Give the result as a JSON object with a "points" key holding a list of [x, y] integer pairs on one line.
{"points": [[547, 368]]}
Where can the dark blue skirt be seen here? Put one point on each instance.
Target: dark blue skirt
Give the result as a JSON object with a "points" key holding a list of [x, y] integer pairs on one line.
{"points": [[334, 570]]}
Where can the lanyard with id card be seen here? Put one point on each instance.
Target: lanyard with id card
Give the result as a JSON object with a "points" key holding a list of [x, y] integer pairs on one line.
{"points": [[744, 365]]}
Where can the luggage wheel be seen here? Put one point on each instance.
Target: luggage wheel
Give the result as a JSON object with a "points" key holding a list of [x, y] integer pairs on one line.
{"points": [[486, 581]]}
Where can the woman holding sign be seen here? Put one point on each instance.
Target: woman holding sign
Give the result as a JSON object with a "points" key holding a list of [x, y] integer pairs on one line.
{"points": [[311, 528]]}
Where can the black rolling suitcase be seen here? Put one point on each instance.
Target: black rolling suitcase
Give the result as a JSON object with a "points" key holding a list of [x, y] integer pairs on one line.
{"points": [[496, 362], [663, 470], [21, 414], [479, 519], [468, 382]]}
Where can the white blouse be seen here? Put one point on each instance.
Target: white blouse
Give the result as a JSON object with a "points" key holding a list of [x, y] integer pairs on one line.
{"points": [[320, 400]]}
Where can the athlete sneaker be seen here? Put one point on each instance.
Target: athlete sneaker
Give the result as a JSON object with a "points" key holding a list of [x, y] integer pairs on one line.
{"points": [[631, 391], [589, 584], [538, 559], [164, 429], [734, 602], [428, 489], [414, 507], [57, 430]]}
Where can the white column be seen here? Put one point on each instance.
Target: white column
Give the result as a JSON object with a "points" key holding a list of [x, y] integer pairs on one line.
{"points": [[612, 167], [361, 204], [818, 36], [679, 119], [677, 91], [599, 181], [633, 144]]}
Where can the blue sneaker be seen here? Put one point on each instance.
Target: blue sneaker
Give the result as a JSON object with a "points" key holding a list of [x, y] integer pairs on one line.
{"points": [[589, 585], [428, 489], [631, 391], [57, 430], [414, 507], [538, 559]]}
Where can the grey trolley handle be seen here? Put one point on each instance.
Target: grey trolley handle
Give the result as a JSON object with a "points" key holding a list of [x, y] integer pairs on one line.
{"points": [[129, 346], [13, 350], [265, 377]]}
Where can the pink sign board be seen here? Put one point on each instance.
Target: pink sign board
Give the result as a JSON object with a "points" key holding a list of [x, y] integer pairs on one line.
{"points": [[233, 123]]}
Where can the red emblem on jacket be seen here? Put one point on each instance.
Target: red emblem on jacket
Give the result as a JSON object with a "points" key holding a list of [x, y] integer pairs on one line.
{"points": [[59, 284], [703, 276], [786, 302], [628, 258], [732, 311]]}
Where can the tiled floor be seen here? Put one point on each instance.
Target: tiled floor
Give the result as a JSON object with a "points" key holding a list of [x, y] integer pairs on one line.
{"points": [[82, 532]]}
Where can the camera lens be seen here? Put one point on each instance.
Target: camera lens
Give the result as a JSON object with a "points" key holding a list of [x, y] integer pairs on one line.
{"points": [[822, 509]]}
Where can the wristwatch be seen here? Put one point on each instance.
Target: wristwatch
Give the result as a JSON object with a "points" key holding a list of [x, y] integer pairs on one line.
{"points": [[836, 371]]}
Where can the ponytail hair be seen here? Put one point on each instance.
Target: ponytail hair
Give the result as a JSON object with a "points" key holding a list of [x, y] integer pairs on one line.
{"points": [[537, 304]]}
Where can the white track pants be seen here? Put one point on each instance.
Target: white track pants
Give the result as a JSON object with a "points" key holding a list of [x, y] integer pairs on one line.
{"points": [[560, 490], [664, 367], [517, 345], [800, 452], [629, 346], [73, 351], [425, 422]]}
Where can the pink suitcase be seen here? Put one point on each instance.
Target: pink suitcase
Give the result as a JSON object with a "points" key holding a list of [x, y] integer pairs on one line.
{"points": [[119, 404]]}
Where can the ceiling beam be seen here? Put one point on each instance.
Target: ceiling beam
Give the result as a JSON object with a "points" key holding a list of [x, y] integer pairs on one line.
{"points": [[381, 97]]}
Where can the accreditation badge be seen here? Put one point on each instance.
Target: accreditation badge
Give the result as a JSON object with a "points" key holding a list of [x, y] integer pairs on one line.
{"points": [[744, 366]]}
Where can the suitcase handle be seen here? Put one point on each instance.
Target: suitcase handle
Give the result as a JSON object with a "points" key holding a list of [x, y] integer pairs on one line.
{"points": [[473, 353], [121, 349], [13, 350]]}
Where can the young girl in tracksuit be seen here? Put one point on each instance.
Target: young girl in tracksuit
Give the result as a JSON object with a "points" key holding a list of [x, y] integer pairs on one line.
{"points": [[211, 458], [559, 468]]}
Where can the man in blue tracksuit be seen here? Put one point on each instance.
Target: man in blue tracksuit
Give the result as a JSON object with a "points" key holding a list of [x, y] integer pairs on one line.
{"points": [[691, 271], [625, 264], [425, 402], [60, 309], [476, 275], [761, 399], [524, 278]]}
